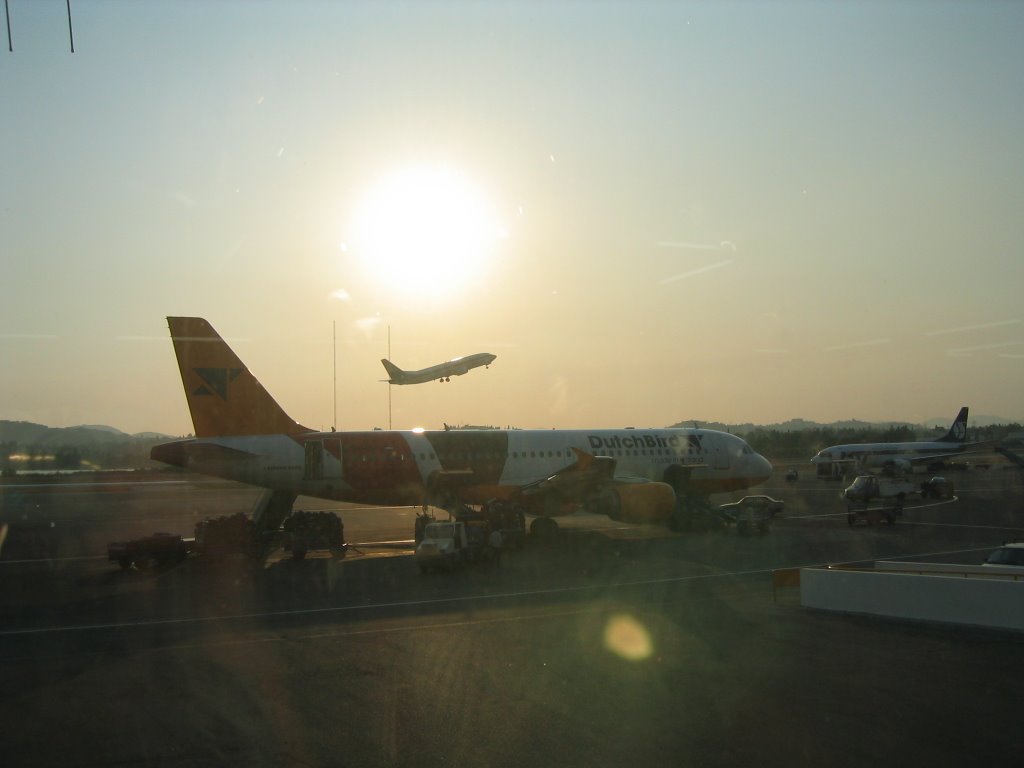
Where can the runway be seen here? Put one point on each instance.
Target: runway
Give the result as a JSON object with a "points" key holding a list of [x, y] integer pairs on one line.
{"points": [[622, 645]]}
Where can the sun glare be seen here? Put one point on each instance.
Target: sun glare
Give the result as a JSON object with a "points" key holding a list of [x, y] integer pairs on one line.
{"points": [[425, 231]]}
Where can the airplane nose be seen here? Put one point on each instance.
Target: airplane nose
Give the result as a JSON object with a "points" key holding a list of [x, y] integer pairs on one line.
{"points": [[761, 468]]}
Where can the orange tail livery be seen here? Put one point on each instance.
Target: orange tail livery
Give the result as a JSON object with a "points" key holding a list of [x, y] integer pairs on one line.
{"points": [[225, 399]]}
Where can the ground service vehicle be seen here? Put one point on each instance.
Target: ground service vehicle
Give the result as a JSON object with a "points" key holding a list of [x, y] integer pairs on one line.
{"points": [[160, 549], [865, 488], [1009, 557], [306, 531], [235, 534], [507, 517], [889, 493], [452, 544], [937, 488], [751, 514]]}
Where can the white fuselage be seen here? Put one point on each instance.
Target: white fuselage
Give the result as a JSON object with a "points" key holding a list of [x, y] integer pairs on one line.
{"points": [[457, 367], [881, 454], [394, 467]]}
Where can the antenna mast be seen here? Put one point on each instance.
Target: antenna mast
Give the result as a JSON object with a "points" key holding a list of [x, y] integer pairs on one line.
{"points": [[334, 349], [389, 383]]}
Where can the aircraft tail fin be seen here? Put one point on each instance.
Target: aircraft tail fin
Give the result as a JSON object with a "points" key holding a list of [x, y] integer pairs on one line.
{"points": [[395, 373], [224, 398], [958, 431]]}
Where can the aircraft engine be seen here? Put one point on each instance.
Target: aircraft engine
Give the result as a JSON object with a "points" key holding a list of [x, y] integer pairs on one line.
{"points": [[641, 503], [897, 465]]}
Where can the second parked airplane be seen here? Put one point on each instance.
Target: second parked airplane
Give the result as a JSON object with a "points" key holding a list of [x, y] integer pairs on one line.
{"points": [[832, 461], [633, 475]]}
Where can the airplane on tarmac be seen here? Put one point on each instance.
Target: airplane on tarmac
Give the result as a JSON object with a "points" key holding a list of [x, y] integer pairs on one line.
{"points": [[632, 475], [900, 456], [440, 372]]}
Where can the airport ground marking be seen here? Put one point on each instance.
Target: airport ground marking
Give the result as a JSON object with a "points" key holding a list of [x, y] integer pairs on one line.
{"points": [[382, 630], [340, 609], [53, 559], [845, 512], [962, 525], [922, 523], [43, 487], [812, 517], [455, 600]]}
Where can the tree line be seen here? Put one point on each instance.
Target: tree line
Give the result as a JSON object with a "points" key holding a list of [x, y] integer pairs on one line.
{"points": [[776, 444], [132, 453]]}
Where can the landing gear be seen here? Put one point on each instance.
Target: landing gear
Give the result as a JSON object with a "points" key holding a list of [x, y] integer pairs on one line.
{"points": [[695, 514], [693, 511], [272, 509], [544, 530]]}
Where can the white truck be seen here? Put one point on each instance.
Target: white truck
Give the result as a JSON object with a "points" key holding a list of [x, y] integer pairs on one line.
{"points": [[452, 544], [889, 492]]}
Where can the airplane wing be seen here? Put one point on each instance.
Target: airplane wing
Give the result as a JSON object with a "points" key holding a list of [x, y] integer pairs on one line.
{"points": [[965, 449], [178, 453], [575, 480], [590, 481], [933, 457]]}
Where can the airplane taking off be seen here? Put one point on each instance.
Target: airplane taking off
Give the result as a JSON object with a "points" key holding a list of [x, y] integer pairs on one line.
{"points": [[440, 372], [632, 475], [901, 456]]}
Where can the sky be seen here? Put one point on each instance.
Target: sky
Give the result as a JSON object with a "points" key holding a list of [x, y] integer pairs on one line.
{"points": [[650, 212]]}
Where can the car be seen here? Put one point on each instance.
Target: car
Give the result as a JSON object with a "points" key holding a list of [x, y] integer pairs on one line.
{"points": [[1009, 557], [751, 514], [937, 488], [792, 476], [771, 507]]}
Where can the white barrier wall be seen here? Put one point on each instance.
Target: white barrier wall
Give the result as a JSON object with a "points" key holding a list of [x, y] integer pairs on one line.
{"points": [[982, 602], [1013, 573]]}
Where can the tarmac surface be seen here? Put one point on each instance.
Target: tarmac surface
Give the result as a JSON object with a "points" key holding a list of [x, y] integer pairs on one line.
{"points": [[617, 645]]}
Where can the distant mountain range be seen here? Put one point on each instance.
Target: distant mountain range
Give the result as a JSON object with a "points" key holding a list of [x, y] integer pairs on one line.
{"points": [[26, 433]]}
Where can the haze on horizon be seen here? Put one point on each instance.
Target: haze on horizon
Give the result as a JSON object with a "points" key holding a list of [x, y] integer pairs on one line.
{"points": [[648, 212]]}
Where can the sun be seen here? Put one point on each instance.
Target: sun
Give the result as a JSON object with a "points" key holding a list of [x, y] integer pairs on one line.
{"points": [[424, 231]]}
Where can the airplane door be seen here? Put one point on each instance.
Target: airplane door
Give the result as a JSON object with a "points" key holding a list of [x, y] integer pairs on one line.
{"points": [[719, 455], [314, 468], [323, 459], [332, 458]]}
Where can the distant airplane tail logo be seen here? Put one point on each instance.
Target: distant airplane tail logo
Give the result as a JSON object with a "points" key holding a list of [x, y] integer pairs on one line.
{"points": [[225, 399], [958, 431]]}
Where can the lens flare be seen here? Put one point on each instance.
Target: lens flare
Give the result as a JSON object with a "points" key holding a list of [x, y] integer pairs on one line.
{"points": [[628, 638]]}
